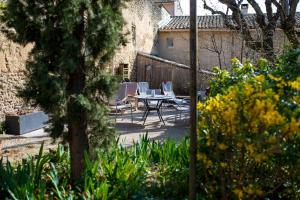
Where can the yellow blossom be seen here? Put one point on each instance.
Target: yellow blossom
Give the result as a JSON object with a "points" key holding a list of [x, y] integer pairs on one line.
{"points": [[295, 84], [248, 89], [222, 146], [260, 78], [238, 193], [259, 192], [276, 97], [201, 156], [272, 139], [260, 157], [293, 127], [249, 189], [274, 78], [223, 165], [239, 145], [200, 106], [250, 148], [281, 84], [273, 117]]}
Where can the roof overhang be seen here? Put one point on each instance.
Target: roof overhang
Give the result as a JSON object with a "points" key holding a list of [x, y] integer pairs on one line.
{"points": [[211, 30]]}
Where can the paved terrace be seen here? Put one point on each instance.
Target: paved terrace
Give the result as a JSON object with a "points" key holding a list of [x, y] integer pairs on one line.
{"points": [[18, 147]]}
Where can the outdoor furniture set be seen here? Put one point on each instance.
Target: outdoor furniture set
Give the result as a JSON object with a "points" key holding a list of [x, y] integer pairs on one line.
{"points": [[130, 93]]}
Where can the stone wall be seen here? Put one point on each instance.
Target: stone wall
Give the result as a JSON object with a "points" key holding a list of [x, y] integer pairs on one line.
{"points": [[142, 18], [228, 42], [12, 68]]}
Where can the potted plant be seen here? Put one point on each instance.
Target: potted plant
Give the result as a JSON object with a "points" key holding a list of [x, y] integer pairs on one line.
{"points": [[24, 121]]}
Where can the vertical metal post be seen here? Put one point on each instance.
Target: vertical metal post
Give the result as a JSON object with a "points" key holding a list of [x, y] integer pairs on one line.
{"points": [[193, 94]]}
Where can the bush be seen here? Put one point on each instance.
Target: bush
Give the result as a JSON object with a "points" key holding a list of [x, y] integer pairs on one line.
{"points": [[147, 170], [2, 128], [249, 133]]}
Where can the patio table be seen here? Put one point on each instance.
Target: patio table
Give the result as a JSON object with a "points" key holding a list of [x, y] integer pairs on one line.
{"points": [[147, 99]]}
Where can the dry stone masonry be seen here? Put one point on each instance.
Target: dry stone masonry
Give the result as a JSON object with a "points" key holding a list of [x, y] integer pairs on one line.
{"points": [[12, 74]]}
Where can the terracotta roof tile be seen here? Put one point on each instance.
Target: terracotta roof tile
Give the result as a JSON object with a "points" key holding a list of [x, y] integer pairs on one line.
{"points": [[210, 22]]}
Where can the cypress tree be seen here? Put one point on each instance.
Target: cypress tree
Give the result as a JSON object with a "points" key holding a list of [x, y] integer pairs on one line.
{"points": [[66, 70]]}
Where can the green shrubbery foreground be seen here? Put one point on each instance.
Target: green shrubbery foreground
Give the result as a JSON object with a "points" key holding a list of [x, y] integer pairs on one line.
{"points": [[248, 148], [147, 170]]}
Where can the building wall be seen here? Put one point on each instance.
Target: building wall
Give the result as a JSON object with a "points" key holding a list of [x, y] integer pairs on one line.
{"points": [[156, 70], [12, 74], [227, 43], [142, 22]]}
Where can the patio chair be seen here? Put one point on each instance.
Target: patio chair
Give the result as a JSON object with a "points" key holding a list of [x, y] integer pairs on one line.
{"points": [[201, 95], [143, 88], [121, 102], [167, 88], [132, 90], [180, 109]]}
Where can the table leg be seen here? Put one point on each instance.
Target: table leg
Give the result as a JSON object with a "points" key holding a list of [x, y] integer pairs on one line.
{"points": [[146, 116], [146, 112], [158, 111]]}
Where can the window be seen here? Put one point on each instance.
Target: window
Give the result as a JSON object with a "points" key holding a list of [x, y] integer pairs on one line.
{"points": [[170, 43], [123, 71], [133, 29]]}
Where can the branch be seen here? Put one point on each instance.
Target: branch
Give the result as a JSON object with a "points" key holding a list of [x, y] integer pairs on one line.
{"points": [[260, 17], [293, 6], [225, 16], [237, 19], [279, 8]]}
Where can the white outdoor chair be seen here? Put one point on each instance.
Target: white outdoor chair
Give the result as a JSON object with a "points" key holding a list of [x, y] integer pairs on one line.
{"points": [[143, 88], [167, 88], [180, 109], [121, 102]]}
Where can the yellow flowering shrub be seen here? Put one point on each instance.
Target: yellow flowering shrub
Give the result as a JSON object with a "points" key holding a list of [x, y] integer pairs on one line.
{"points": [[249, 139]]}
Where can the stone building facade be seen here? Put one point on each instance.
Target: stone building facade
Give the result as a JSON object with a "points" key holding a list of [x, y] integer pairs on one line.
{"points": [[217, 44], [142, 20], [12, 74]]}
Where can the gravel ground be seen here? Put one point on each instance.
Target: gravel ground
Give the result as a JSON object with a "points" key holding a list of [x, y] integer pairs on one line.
{"points": [[15, 148]]}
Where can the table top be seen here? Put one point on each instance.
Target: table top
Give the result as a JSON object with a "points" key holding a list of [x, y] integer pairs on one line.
{"points": [[156, 97]]}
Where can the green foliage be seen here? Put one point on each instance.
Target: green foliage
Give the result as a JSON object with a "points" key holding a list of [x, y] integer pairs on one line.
{"points": [[239, 72], [2, 8], [286, 67], [147, 170], [2, 127], [24, 180], [249, 133], [73, 41]]}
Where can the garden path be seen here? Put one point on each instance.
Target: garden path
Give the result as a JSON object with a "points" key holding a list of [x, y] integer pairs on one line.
{"points": [[15, 148]]}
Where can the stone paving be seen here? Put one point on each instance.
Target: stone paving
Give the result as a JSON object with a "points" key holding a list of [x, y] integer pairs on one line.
{"points": [[18, 147]]}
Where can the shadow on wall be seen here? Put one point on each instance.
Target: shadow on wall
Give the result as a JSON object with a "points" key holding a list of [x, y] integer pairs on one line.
{"points": [[156, 70]]}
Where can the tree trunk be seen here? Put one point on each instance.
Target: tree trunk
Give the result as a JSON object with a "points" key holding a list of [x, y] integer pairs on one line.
{"points": [[288, 27], [77, 127], [77, 121], [268, 44], [220, 61]]}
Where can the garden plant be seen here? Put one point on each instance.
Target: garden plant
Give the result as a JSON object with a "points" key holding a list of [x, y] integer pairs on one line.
{"points": [[249, 132], [147, 170]]}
